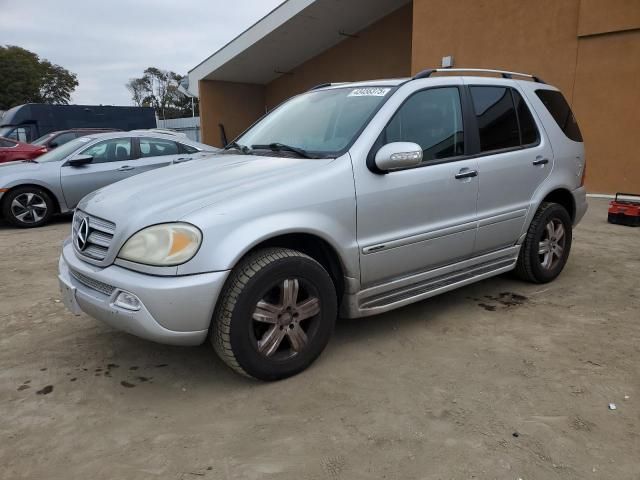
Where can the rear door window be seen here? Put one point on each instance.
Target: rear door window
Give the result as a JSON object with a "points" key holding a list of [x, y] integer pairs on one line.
{"points": [[496, 117], [188, 148], [528, 130], [7, 143], [155, 147], [561, 112]]}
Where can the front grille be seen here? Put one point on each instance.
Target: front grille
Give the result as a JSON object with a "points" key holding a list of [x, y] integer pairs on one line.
{"points": [[93, 284], [99, 238]]}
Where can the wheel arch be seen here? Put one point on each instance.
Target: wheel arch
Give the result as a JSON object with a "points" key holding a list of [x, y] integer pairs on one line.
{"points": [[54, 198], [564, 197], [312, 245]]}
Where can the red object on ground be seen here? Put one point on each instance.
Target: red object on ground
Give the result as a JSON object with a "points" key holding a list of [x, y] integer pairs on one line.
{"points": [[11, 150], [625, 212]]}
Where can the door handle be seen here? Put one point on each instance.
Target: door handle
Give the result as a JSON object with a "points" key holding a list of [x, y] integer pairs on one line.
{"points": [[126, 168], [182, 160], [466, 173], [540, 161]]}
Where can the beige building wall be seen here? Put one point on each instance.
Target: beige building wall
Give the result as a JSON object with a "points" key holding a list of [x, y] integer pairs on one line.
{"points": [[383, 50], [590, 49], [234, 105]]}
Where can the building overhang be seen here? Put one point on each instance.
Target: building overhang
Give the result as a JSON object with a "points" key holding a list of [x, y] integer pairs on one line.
{"points": [[289, 35]]}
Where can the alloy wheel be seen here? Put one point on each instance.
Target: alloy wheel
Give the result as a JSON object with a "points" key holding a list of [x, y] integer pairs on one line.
{"points": [[29, 208], [285, 319], [552, 244]]}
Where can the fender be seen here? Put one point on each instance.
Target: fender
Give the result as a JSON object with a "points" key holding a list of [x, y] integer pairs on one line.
{"points": [[224, 252]]}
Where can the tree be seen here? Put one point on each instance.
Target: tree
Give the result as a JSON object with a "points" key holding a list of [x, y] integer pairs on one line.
{"points": [[25, 78], [158, 88], [139, 88]]}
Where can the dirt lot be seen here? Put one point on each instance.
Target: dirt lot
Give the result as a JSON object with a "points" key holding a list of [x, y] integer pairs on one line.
{"points": [[500, 380]]}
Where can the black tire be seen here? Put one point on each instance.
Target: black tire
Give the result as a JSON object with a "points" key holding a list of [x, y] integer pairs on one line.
{"points": [[36, 214], [531, 263], [238, 337]]}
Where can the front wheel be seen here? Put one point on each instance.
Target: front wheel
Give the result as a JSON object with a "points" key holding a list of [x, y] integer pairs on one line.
{"points": [[546, 247], [27, 207], [275, 315]]}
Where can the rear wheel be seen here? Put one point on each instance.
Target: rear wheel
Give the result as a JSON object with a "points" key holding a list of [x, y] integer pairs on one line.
{"points": [[275, 315], [27, 207], [546, 248]]}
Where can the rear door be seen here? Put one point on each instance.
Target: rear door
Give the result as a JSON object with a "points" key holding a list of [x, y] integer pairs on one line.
{"points": [[157, 152], [514, 158], [112, 162]]}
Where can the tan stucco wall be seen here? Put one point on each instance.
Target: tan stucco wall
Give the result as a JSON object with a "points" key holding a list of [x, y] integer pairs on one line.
{"points": [[597, 73], [606, 102], [235, 105], [523, 35], [600, 16], [383, 50]]}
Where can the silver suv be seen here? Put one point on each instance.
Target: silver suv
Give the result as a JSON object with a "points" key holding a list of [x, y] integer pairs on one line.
{"points": [[350, 199]]}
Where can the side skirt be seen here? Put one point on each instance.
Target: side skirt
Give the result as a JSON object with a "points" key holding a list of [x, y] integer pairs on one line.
{"points": [[413, 288]]}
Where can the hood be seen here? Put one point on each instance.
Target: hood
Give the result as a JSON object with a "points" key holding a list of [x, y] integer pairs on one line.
{"points": [[170, 193], [10, 168]]}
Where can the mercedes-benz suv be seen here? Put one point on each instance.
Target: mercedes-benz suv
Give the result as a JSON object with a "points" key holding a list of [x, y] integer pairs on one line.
{"points": [[350, 199]]}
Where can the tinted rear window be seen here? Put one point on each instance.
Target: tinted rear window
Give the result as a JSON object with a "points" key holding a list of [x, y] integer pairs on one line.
{"points": [[497, 118], [561, 113], [528, 129]]}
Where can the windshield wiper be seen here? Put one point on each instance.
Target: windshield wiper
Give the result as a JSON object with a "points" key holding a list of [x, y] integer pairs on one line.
{"points": [[235, 145], [280, 147]]}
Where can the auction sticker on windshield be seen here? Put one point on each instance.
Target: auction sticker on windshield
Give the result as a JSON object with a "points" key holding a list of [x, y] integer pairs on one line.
{"points": [[369, 92]]}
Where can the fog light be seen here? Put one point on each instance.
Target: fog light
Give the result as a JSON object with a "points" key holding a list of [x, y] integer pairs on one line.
{"points": [[127, 301]]}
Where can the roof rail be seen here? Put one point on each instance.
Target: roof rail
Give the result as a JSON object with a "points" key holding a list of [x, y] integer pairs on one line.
{"points": [[504, 73], [328, 84], [322, 85]]}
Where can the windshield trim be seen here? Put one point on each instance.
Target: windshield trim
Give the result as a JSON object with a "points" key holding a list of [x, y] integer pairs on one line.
{"points": [[337, 153]]}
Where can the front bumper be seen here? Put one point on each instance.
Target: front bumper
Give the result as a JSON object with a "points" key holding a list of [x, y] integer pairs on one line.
{"points": [[173, 310]]}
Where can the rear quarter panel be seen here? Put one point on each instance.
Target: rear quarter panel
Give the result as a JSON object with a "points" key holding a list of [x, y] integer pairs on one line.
{"points": [[569, 156]]}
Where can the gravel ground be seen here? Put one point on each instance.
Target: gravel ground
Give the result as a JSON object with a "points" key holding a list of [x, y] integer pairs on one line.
{"points": [[501, 380]]}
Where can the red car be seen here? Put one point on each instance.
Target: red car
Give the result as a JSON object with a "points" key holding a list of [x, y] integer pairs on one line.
{"points": [[11, 150]]}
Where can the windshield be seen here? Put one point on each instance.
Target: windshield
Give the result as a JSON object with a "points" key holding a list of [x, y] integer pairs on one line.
{"points": [[63, 151], [323, 122], [42, 139]]}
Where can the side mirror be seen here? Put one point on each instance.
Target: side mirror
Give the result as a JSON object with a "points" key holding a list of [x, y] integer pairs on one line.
{"points": [[80, 160], [53, 145], [398, 155]]}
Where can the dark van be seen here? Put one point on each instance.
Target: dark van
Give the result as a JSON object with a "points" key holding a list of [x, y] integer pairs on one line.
{"points": [[27, 122]]}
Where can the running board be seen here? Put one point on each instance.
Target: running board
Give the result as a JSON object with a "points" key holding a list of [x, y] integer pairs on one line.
{"points": [[383, 298]]}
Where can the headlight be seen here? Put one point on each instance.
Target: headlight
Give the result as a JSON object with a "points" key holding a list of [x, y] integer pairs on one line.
{"points": [[162, 245]]}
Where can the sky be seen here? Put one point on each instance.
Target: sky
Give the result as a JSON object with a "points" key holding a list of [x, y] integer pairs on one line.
{"points": [[106, 43]]}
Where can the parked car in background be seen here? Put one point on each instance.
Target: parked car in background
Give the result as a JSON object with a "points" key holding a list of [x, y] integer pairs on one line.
{"points": [[27, 122], [166, 131], [32, 191], [354, 198], [55, 139], [12, 150]]}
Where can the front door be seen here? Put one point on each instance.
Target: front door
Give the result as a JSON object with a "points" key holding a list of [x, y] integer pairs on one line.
{"points": [[515, 158], [112, 162], [424, 217]]}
